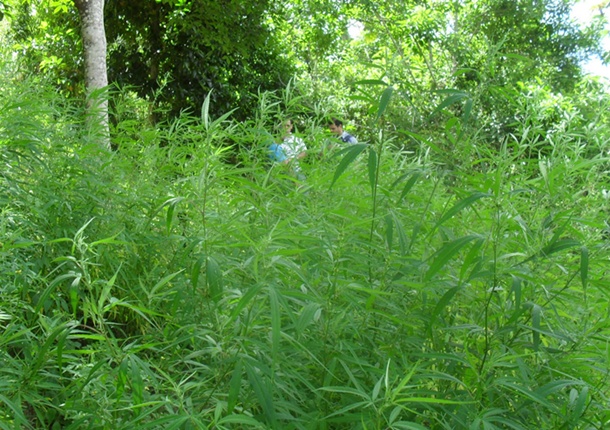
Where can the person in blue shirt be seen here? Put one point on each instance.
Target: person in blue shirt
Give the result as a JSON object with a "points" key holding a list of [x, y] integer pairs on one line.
{"points": [[336, 128]]}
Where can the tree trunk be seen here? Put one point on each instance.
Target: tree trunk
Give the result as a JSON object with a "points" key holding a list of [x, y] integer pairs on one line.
{"points": [[96, 74]]}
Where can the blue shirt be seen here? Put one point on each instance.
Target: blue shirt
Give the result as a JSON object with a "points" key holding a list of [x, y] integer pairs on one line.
{"points": [[276, 153], [348, 138]]}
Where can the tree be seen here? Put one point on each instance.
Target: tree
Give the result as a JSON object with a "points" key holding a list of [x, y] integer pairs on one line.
{"points": [[96, 76], [176, 52], [172, 53]]}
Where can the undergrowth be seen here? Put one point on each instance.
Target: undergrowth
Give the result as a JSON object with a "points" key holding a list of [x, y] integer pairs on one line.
{"points": [[182, 282]]}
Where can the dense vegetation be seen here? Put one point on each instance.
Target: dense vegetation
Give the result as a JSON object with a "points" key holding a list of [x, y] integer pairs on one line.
{"points": [[449, 272]]}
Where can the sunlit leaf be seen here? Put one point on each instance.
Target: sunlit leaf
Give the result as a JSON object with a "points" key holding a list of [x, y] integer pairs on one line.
{"points": [[461, 205], [214, 279], [263, 392], [454, 97], [372, 167], [584, 267], [384, 101], [350, 154], [445, 253]]}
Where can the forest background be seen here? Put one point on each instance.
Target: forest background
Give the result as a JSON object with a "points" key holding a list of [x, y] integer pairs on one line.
{"points": [[448, 272]]}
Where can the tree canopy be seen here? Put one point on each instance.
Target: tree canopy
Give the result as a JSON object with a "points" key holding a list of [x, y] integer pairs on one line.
{"points": [[180, 51], [173, 53]]}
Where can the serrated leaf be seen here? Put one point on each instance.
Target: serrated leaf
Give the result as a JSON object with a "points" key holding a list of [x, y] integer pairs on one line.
{"points": [[384, 101], [454, 97], [165, 280], [584, 267], [275, 322], [372, 168], [196, 271], [213, 276], [440, 306], [447, 251], [413, 177], [263, 393], [459, 206], [389, 230], [243, 302], [580, 405], [467, 110], [558, 245], [235, 386], [536, 311], [403, 240], [351, 153]]}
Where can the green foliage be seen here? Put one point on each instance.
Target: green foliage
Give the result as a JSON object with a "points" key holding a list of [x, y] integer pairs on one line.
{"points": [[180, 51], [46, 40], [170, 53], [183, 282], [173, 52]]}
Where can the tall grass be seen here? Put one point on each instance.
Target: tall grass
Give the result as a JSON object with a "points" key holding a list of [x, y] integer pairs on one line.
{"points": [[180, 282]]}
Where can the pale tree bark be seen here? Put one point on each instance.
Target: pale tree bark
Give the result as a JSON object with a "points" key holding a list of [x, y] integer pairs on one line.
{"points": [[96, 74]]}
